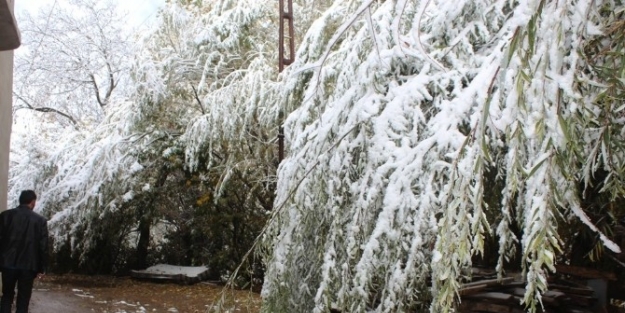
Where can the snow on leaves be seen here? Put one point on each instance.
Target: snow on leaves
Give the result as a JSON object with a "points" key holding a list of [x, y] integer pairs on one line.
{"points": [[416, 130], [401, 122]]}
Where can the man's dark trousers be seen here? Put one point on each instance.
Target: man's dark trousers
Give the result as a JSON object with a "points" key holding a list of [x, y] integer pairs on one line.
{"points": [[24, 280]]}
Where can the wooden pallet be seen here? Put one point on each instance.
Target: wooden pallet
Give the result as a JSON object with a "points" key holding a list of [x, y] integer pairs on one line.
{"points": [[485, 294]]}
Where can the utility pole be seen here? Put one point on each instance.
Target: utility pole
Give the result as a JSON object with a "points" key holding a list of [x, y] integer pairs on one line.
{"points": [[286, 21]]}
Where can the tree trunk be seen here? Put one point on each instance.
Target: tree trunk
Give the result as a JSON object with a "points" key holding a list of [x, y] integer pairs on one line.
{"points": [[145, 224], [144, 243]]}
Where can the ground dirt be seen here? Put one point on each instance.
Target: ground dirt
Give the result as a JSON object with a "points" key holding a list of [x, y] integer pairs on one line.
{"points": [[100, 294]]}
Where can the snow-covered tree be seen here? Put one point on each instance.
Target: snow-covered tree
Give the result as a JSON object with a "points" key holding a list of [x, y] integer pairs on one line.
{"points": [[74, 61], [73, 64], [419, 132], [195, 69], [411, 112]]}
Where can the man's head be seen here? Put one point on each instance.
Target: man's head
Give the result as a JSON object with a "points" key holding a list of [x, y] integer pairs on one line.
{"points": [[29, 198]]}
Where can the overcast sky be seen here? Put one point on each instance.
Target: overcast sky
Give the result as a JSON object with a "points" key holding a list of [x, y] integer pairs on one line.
{"points": [[139, 11]]}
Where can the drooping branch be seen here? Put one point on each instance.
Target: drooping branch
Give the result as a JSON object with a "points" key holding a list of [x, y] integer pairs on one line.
{"points": [[45, 110]]}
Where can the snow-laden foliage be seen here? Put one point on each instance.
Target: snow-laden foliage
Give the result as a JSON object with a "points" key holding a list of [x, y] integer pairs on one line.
{"points": [[31, 144], [202, 84], [73, 62], [219, 58], [414, 114], [216, 61], [418, 133], [72, 66], [92, 176]]}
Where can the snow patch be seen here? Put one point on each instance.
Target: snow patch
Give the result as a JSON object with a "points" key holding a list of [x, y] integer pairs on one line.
{"points": [[165, 269]]}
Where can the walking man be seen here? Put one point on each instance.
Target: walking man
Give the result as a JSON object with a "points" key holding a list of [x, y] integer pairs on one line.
{"points": [[23, 251]]}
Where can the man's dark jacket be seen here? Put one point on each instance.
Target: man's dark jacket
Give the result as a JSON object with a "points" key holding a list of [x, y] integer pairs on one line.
{"points": [[23, 240]]}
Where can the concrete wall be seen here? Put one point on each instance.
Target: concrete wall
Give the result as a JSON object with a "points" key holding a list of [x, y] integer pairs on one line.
{"points": [[6, 94], [9, 39]]}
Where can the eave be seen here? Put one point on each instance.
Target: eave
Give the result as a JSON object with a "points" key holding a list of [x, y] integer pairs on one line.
{"points": [[9, 33]]}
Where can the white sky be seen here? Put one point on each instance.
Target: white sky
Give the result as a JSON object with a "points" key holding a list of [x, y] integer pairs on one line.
{"points": [[139, 11]]}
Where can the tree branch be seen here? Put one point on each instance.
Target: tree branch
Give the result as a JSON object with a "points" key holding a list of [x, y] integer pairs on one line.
{"points": [[97, 90], [112, 84], [46, 110], [198, 100]]}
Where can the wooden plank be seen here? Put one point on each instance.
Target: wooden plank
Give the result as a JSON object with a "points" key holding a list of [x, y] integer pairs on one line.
{"points": [[465, 291], [559, 280], [489, 282], [572, 290], [550, 298], [483, 272], [498, 297], [549, 301], [584, 301], [584, 272], [555, 294], [515, 284], [484, 307]]}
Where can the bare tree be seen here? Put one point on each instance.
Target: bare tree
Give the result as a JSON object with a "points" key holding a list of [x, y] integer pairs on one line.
{"points": [[75, 56]]}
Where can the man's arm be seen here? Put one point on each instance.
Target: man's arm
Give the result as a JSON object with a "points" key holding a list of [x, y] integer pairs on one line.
{"points": [[43, 248]]}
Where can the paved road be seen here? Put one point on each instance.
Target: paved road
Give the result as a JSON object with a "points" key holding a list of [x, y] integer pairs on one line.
{"points": [[49, 301]]}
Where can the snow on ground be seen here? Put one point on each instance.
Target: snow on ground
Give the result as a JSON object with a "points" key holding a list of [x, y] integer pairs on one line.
{"points": [[165, 269]]}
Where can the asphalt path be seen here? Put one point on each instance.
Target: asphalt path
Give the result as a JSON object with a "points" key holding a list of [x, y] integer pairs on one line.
{"points": [[49, 301]]}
